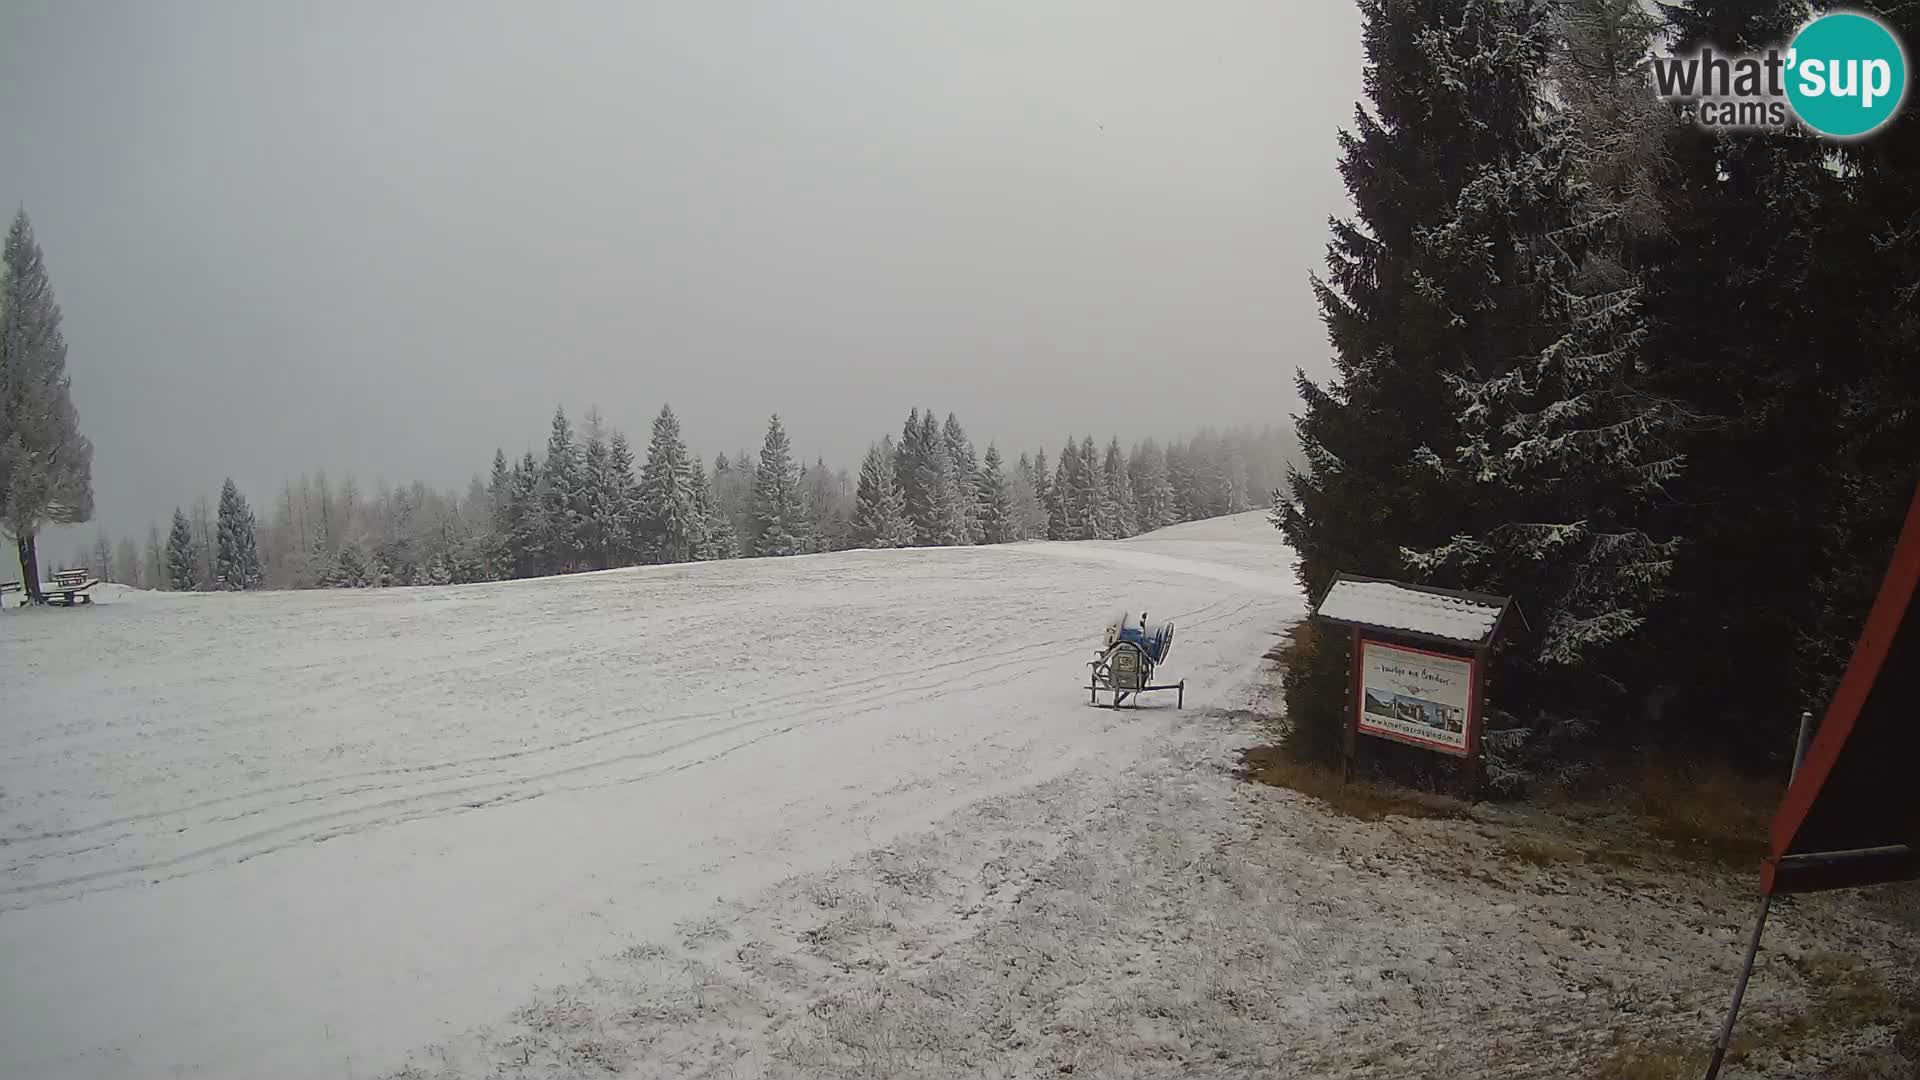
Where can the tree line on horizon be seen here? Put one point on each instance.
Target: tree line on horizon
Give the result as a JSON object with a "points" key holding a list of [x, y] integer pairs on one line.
{"points": [[1658, 383], [590, 503]]}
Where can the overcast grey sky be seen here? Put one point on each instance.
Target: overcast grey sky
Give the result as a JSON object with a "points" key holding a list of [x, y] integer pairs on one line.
{"points": [[387, 237]]}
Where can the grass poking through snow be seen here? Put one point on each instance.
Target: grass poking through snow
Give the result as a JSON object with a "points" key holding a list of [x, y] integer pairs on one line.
{"points": [[1363, 799]]}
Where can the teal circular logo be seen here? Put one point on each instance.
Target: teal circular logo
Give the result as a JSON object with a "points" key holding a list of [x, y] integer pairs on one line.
{"points": [[1847, 74]]}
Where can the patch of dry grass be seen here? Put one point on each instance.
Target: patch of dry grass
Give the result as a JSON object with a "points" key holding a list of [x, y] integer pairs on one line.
{"points": [[1705, 810], [1535, 850], [1632, 1059], [1362, 799]]}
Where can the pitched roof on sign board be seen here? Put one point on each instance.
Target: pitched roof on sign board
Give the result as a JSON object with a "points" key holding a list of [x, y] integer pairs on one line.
{"points": [[1390, 605]]}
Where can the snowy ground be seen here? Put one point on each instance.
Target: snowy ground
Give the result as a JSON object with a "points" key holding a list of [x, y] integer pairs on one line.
{"points": [[842, 816], [312, 834]]}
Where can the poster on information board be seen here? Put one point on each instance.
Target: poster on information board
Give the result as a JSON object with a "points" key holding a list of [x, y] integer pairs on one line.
{"points": [[1416, 696]]}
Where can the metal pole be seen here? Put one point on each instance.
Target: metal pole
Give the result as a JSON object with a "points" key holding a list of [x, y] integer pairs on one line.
{"points": [[1800, 746], [1739, 990], [1759, 923]]}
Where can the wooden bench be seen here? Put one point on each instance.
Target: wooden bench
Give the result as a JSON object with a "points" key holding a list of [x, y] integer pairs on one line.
{"points": [[7, 587]]}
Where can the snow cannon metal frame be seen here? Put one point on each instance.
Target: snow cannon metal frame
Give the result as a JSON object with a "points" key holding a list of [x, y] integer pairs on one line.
{"points": [[1124, 665]]}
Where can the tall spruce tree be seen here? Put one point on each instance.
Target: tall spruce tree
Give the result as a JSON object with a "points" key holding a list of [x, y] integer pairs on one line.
{"points": [[237, 560], [778, 518], [715, 539], [997, 520], [1029, 512], [1153, 490], [1235, 479], [1071, 518], [926, 478], [1563, 447], [1097, 509], [181, 576], [1877, 394], [879, 507], [597, 498], [964, 473], [1043, 492], [46, 465], [528, 539], [668, 504], [946, 521], [500, 516], [563, 497], [1425, 288], [828, 520], [1119, 491], [623, 517], [1744, 326], [908, 458]]}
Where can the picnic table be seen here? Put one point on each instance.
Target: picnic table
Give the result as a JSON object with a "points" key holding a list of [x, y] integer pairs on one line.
{"points": [[70, 587]]}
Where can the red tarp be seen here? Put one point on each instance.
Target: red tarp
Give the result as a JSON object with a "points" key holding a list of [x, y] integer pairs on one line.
{"points": [[1852, 814]]}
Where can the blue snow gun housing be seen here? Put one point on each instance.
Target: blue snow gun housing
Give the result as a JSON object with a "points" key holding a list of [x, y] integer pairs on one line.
{"points": [[1125, 663]]}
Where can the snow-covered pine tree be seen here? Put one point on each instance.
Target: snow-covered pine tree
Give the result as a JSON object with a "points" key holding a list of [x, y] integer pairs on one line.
{"points": [[46, 465], [927, 482], [1125, 515], [563, 498], [1183, 485], [1066, 518], [1428, 284], [1093, 493], [1563, 447], [597, 497], [779, 521], [1236, 483], [941, 477], [527, 537], [1153, 491], [237, 560], [1029, 514], [500, 516], [717, 539], [997, 520], [622, 525], [180, 562], [667, 501], [1042, 479], [907, 459], [733, 490], [351, 569], [964, 471], [828, 516], [879, 507]]}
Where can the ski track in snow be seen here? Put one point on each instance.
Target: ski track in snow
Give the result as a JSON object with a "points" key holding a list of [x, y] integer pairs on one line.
{"points": [[301, 834]]}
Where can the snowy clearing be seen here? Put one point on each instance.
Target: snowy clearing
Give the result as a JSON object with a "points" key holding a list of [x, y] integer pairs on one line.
{"points": [[834, 816], [305, 834]]}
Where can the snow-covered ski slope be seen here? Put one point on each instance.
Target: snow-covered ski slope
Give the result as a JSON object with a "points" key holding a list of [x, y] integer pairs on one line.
{"points": [[299, 834]]}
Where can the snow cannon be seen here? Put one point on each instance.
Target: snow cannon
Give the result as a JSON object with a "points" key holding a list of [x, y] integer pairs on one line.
{"points": [[1123, 666]]}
